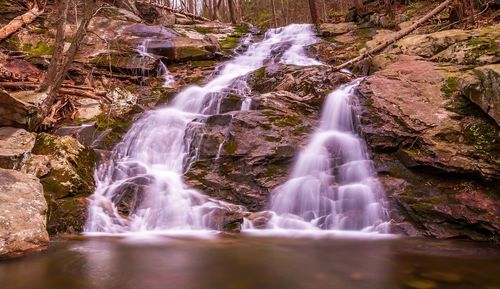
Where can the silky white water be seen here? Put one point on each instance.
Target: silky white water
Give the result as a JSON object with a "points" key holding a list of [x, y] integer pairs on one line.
{"points": [[146, 167], [333, 185]]}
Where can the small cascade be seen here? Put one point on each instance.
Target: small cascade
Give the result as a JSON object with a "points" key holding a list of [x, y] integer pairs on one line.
{"points": [[168, 79], [141, 188], [333, 185], [163, 72]]}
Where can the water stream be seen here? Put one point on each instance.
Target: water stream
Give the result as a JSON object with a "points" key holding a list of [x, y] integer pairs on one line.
{"points": [[333, 185], [146, 167]]}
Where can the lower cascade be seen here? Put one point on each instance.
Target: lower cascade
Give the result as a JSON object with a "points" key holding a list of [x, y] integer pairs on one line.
{"points": [[147, 166], [333, 184]]}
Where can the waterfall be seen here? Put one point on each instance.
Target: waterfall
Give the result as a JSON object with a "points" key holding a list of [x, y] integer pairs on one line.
{"points": [[140, 187], [163, 72], [333, 185]]}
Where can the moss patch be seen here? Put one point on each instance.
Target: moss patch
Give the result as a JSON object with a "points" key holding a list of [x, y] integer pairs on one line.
{"points": [[41, 48], [230, 146], [450, 86]]}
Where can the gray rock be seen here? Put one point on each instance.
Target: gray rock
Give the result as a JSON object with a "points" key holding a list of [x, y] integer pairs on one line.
{"points": [[23, 217], [482, 87], [15, 147]]}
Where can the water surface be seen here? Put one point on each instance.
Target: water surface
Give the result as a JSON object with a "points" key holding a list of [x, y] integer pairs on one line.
{"points": [[243, 262]]}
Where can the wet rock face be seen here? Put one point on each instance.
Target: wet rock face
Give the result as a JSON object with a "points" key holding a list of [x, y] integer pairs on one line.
{"points": [[241, 156], [22, 229], [436, 151]]}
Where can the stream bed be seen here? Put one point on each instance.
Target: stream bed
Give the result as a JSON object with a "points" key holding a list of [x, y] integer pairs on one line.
{"points": [[243, 261]]}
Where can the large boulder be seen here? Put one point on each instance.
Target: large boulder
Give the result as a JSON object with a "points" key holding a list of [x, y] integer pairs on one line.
{"points": [[15, 147], [65, 168], [23, 217], [436, 152]]}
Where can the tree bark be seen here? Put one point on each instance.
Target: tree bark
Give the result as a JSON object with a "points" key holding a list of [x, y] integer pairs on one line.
{"points": [[397, 36], [18, 22], [232, 11], [176, 11], [274, 14], [314, 12]]}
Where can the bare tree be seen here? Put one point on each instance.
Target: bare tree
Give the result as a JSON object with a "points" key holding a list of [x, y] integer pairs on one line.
{"points": [[60, 61], [274, 14], [314, 12]]}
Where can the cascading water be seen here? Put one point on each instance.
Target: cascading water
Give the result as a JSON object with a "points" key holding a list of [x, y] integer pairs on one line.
{"points": [[163, 72], [333, 184], [146, 167]]}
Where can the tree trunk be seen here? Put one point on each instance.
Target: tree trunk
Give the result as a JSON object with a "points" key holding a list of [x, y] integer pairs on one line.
{"points": [[61, 62], [314, 12], [232, 11], [18, 22], [397, 36], [274, 14]]}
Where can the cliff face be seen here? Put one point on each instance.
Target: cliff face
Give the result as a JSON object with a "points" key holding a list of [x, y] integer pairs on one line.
{"points": [[429, 114]]}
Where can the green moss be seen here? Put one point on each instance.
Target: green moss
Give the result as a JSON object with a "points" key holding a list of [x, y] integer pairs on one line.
{"points": [[203, 29], [192, 52], [41, 48], [369, 102], [40, 31], [241, 30], [11, 43], [421, 207], [230, 146], [229, 43], [203, 63], [450, 86], [270, 138], [272, 170], [260, 73], [301, 130], [287, 121]]}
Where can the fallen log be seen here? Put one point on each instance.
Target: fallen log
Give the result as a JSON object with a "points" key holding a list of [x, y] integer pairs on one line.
{"points": [[398, 35], [194, 16], [24, 84], [15, 24], [86, 92]]}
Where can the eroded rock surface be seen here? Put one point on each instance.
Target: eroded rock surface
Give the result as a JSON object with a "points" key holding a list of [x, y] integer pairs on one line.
{"points": [[15, 147], [23, 217], [430, 120]]}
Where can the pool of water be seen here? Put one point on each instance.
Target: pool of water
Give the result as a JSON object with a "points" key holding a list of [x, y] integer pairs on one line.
{"points": [[252, 262]]}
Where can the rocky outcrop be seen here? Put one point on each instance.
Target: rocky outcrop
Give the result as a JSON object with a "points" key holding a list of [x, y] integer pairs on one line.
{"points": [[20, 109], [241, 156], [482, 86], [65, 168], [429, 119], [15, 147], [23, 217]]}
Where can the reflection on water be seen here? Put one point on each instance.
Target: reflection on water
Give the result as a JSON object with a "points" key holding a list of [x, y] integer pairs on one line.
{"points": [[253, 263]]}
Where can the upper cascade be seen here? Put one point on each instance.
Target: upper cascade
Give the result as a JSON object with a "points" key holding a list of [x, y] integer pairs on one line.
{"points": [[148, 164]]}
